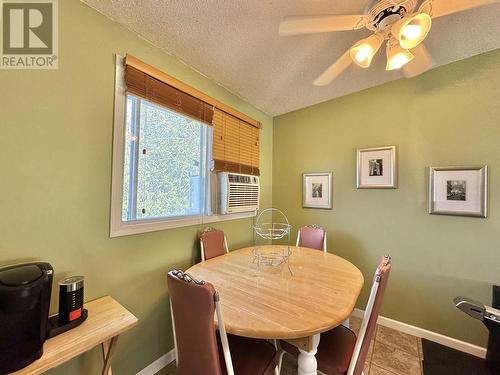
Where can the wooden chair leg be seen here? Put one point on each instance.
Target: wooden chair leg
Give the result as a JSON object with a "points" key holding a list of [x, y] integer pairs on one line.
{"points": [[108, 349]]}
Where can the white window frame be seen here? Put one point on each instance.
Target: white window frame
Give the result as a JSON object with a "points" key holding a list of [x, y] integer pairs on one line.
{"points": [[118, 227]]}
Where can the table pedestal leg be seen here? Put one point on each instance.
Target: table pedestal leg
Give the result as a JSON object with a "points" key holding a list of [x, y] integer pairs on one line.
{"points": [[108, 348], [307, 364]]}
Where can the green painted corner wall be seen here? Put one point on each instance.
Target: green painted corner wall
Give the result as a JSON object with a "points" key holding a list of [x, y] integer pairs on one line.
{"points": [[55, 167], [55, 163], [447, 116]]}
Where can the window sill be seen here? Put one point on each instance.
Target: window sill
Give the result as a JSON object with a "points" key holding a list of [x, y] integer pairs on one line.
{"points": [[136, 227]]}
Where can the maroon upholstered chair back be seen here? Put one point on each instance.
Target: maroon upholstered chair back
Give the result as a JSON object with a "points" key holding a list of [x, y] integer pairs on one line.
{"points": [[381, 277], [193, 307], [212, 243], [312, 237]]}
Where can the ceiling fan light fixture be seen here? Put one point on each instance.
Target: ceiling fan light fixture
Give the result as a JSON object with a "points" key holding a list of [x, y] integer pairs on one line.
{"points": [[362, 52], [411, 31], [397, 57]]}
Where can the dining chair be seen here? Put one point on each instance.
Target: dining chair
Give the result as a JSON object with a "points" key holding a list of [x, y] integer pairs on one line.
{"points": [[339, 351], [198, 348], [212, 243], [312, 236]]}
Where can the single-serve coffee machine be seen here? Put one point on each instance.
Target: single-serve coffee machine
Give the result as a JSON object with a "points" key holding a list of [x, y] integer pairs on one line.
{"points": [[25, 291], [24, 308]]}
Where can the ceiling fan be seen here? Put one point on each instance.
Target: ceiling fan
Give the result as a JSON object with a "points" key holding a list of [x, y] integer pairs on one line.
{"points": [[401, 24]]}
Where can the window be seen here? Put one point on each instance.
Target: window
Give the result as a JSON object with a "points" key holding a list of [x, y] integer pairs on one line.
{"points": [[164, 150], [165, 163]]}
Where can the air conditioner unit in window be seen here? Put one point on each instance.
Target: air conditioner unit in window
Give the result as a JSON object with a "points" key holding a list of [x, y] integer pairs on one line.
{"points": [[238, 192]]}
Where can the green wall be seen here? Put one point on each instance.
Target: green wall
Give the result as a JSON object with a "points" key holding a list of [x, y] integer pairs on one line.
{"points": [[448, 116], [55, 168]]}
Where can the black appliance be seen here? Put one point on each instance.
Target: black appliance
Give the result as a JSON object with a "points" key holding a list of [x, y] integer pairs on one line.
{"points": [[71, 311], [490, 316], [24, 308], [70, 299]]}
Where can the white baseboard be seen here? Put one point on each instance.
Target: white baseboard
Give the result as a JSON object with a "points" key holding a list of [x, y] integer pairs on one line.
{"points": [[160, 363], [450, 342]]}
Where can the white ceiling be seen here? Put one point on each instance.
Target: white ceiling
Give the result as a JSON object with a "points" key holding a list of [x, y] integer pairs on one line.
{"points": [[236, 43]]}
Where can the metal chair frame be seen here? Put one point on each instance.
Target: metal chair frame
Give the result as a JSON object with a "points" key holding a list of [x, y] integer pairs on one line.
{"points": [[366, 319]]}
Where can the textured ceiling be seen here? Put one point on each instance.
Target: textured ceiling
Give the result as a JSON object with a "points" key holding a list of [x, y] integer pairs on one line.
{"points": [[236, 43]]}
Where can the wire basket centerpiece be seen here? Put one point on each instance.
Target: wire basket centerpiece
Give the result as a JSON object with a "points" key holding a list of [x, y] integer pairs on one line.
{"points": [[276, 228]]}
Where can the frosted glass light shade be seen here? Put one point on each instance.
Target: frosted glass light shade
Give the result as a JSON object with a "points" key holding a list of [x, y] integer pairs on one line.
{"points": [[411, 31], [397, 56], [362, 52]]}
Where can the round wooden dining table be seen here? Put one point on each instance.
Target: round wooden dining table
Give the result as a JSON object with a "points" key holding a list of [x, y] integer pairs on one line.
{"points": [[318, 294]]}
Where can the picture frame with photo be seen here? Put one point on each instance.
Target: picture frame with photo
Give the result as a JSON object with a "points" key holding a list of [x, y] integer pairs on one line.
{"points": [[317, 190], [377, 168], [460, 191]]}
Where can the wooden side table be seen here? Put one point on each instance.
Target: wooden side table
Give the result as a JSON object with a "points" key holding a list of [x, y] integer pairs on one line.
{"points": [[106, 321]]}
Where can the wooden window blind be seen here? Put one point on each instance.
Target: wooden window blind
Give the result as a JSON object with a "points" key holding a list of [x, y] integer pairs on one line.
{"points": [[147, 87], [235, 144], [235, 135]]}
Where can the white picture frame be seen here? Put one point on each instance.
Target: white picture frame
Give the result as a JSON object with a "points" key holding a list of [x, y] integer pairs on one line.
{"points": [[460, 191], [317, 190], [376, 168]]}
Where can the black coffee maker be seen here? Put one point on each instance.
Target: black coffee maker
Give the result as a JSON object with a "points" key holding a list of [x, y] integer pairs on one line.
{"points": [[24, 308]]}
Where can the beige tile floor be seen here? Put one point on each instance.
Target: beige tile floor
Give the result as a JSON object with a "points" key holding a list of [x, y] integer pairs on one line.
{"points": [[391, 353]]}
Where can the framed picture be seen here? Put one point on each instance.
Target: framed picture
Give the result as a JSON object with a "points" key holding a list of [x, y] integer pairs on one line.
{"points": [[459, 191], [317, 190], [377, 168]]}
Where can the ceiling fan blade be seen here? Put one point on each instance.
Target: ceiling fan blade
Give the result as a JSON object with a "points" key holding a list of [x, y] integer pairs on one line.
{"points": [[422, 62], [334, 70], [295, 25], [440, 8]]}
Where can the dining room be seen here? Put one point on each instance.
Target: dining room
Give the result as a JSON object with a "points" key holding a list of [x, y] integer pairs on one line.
{"points": [[250, 188]]}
